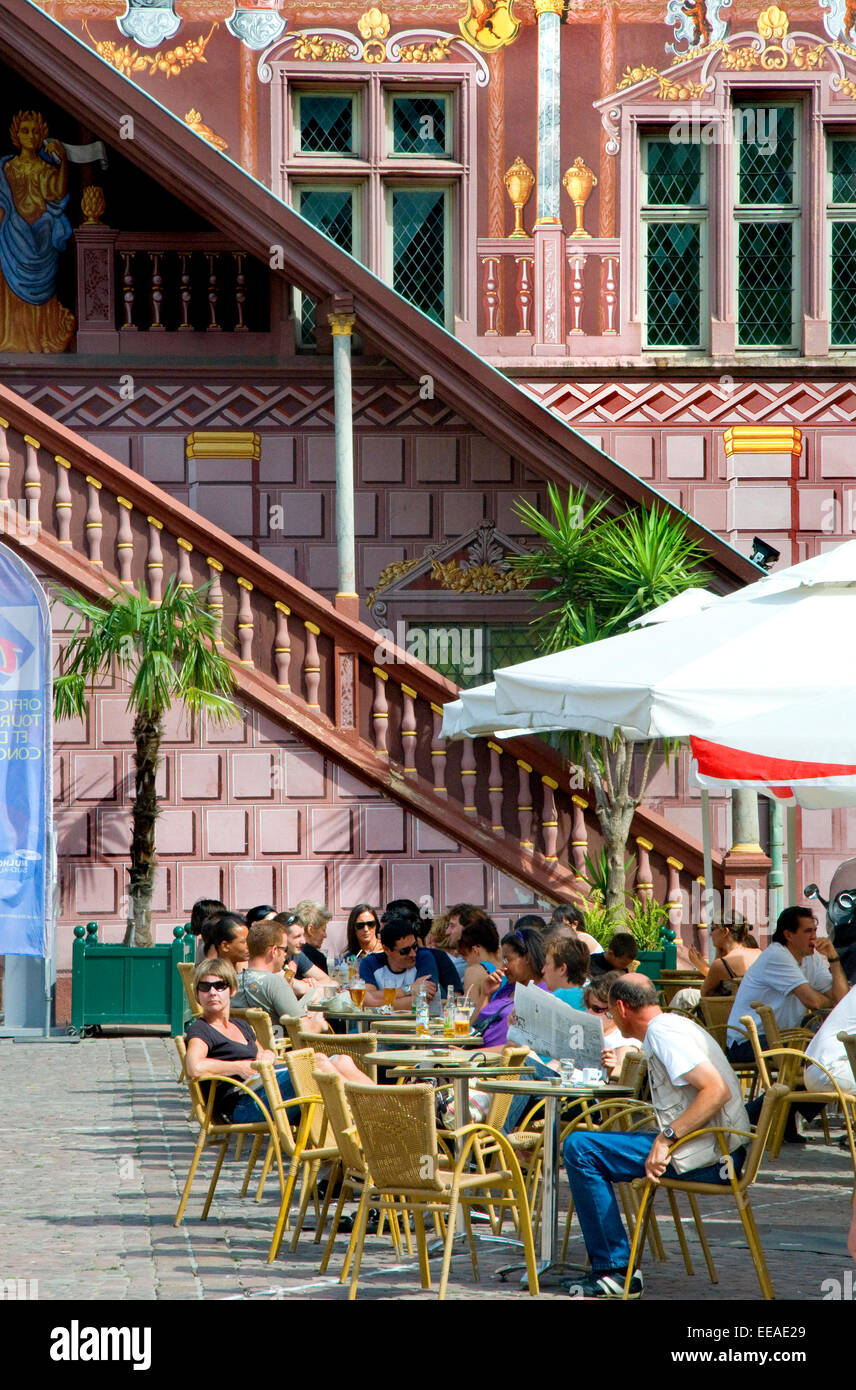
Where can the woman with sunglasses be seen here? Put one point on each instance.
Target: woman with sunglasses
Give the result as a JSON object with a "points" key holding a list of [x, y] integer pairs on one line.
{"points": [[596, 1001], [363, 931], [222, 1046]]}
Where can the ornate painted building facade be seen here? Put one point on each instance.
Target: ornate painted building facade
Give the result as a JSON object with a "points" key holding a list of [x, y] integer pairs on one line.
{"points": [[637, 220]]}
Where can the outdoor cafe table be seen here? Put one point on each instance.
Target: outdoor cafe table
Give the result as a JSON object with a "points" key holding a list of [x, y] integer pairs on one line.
{"points": [[550, 1261], [369, 1020]]}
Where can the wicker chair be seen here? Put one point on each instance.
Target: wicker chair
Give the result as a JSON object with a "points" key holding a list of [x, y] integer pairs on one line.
{"points": [[262, 1025], [217, 1134], [186, 970], [353, 1045], [776, 1036], [398, 1137], [715, 1012], [737, 1186], [786, 1065]]}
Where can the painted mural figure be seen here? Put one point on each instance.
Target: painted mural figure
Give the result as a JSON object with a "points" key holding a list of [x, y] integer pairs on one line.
{"points": [[33, 231], [696, 23], [839, 19]]}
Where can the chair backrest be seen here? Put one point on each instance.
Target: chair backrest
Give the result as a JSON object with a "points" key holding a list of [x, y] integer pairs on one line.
{"points": [[341, 1121], [197, 1100], [849, 1041], [773, 1097], [354, 1046], [260, 1022], [185, 969], [398, 1135], [293, 1028], [513, 1057], [751, 1029], [671, 981], [634, 1070], [714, 1011], [301, 1066], [769, 1025]]}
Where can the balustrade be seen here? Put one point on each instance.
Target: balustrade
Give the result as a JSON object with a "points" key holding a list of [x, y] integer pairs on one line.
{"points": [[588, 285]]}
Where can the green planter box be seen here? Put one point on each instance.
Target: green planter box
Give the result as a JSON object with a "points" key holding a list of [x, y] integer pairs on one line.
{"points": [[653, 963], [127, 984]]}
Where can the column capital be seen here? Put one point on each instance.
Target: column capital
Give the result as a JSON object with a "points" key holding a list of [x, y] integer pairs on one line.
{"points": [[549, 7], [341, 325]]}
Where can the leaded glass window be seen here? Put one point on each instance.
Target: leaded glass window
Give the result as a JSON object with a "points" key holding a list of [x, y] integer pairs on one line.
{"points": [[674, 226], [419, 247], [841, 182], [332, 211], [420, 126], [325, 123], [768, 218], [469, 653]]}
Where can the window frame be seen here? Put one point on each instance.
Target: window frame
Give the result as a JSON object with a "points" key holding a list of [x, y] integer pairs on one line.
{"points": [[674, 212], [443, 186], [835, 213], [781, 213], [391, 93], [356, 99]]}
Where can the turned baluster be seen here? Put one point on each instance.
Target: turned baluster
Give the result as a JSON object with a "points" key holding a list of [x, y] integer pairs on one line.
{"points": [[673, 894], [550, 821], [380, 712], [312, 665], [609, 293], [128, 292], [4, 462], [154, 561], [156, 295], [408, 728], [524, 804], [523, 298], [491, 294], [125, 543], [185, 295], [468, 775], [438, 752], [94, 522], [579, 835], [495, 789], [62, 501], [578, 264], [213, 292], [184, 574], [702, 903], [282, 646], [240, 291], [644, 879], [32, 481], [245, 623], [215, 599]]}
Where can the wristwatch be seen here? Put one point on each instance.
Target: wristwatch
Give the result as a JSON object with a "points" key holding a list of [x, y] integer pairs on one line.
{"points": [[668, 1134]]}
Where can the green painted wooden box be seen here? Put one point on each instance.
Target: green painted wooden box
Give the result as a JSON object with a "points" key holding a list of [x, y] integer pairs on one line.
{"points": [[127, 984]]}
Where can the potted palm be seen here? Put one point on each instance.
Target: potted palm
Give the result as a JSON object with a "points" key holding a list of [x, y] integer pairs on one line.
{"points": [[166, 654]]}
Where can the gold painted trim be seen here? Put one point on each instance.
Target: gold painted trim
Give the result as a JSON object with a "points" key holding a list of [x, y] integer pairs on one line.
{"points": [[310, 627], [153, 521], [525, 766], [215, 565], [408, 690], [93, 482], [746, 849], [223, 444], [183, 544], [245, 584], [438, 709], [644, 844], [762, 439], [384, 675], [341, 325], [495, 747], [63, 463], [582, 803], [283, 608], [28, 439], [554, 786], [123, 501], [674, 863]]}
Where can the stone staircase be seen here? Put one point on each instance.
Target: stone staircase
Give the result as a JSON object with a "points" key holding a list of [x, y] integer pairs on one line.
{"points": [[85, 519]]}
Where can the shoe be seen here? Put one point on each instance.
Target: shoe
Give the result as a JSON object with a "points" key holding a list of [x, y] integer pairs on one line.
{"points": [[608, 1284], [372, 1221]]}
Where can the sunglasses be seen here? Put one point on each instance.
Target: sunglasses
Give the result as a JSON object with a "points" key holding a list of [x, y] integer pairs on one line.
{"points": [[596, 1009], [205, 985], [407, 950]]}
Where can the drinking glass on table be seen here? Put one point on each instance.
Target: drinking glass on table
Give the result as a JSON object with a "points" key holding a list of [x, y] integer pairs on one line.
{"points": [[389, 993], [358, 992], [463, 1014]]}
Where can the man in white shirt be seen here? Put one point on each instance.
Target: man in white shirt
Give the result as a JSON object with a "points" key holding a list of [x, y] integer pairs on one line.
{"points": [[692, 1087], [797, 972], [826, 1049]]}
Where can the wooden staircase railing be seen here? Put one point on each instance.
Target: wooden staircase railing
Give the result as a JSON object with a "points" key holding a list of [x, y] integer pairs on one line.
{"points": [[87, 518]]}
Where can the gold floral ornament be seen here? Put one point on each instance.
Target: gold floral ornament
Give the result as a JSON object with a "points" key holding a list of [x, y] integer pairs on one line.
{"points": [[633, 75], [773, 24], [374, 24], [519, 181], [309, 47], [670, 90], [434, 52], [579, 181], [92, 204], [171, 63], [387, 576], [476, 579], [198, 126]]}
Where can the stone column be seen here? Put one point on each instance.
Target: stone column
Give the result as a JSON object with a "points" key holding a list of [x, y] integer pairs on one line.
{"points": [[776, 880], [341, 327], [549, 241], [746, 865]]}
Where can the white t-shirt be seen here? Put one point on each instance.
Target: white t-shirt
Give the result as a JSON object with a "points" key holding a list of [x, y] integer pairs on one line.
{"points": [[613, 1040], [675, 1046], [772, 979], [589, 941], [384, 978], [824, 1046]]}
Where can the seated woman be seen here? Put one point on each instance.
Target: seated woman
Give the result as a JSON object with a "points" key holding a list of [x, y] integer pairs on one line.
{"points": [[479, 946], [363, 931], [566, 968], [523, 962], [222, 1046], [736, 950], [615, 1045], [225, 938]]}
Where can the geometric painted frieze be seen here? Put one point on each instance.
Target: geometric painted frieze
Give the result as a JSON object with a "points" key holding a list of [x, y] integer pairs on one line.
{"points": [[718, 400]]}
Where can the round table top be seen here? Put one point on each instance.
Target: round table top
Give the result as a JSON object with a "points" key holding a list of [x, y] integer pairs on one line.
{"points": [[420, 1040], [415, 1055], [462, 1068], [547, 1088]]}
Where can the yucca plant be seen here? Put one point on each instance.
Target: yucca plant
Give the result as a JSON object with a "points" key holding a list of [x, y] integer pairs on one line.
{"points": [[594, 574], [166, 654]]}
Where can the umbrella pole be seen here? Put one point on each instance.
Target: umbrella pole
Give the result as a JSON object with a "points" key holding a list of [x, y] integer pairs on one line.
{"points": [[708, 869], [791, 831]]}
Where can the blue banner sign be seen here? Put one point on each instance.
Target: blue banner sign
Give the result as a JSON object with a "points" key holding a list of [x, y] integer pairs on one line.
{"points": [[25, 770]]}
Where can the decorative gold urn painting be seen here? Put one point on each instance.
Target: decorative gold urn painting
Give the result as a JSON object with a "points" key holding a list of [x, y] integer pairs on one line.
{"points": [[33, 231]]}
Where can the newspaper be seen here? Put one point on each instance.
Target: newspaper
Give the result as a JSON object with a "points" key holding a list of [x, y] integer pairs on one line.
{"points": [[553, 1029]]}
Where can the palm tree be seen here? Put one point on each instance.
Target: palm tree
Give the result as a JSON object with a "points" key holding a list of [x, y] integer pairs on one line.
{"points": [[166, 652], [596, 574]]}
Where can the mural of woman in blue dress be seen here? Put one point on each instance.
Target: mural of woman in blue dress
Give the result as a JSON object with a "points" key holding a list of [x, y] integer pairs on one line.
{"points": [[33, 231]]}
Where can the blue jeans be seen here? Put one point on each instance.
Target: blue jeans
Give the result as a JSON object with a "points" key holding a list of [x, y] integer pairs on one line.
{"points": [[246, 1112], [593, 1163]]}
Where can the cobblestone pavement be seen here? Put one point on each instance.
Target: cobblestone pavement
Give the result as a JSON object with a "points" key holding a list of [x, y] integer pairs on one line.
{"points": [[97, 1146]]}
